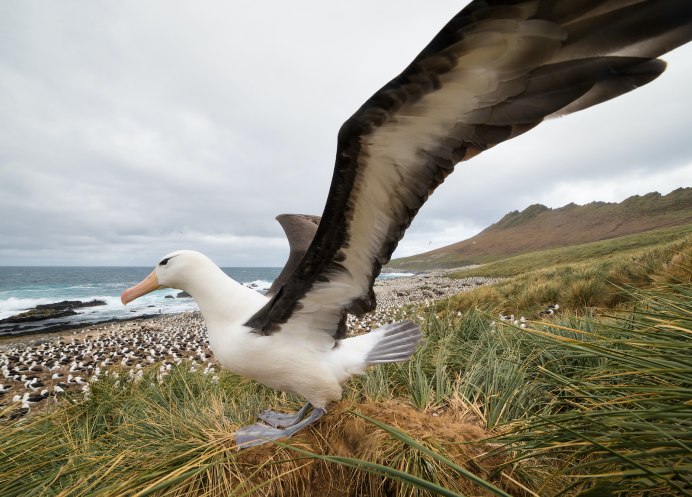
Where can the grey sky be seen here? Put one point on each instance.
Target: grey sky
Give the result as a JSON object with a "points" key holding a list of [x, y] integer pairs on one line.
{"points": [[131, 129]]}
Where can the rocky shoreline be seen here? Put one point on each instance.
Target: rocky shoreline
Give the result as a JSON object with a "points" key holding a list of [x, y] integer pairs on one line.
{"points": [[41, 367], [45, 312], [54, 317], [51, 311]]}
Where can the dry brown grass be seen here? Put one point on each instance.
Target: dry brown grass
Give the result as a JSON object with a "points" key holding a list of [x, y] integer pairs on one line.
{"points": [[344, 434], [581, 287], [175, 438]]}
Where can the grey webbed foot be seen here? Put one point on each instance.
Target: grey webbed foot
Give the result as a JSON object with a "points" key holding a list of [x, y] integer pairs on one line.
{"points": [[257, 434], [282, 420]]}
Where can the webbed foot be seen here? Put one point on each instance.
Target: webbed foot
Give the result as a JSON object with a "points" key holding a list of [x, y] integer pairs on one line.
{"points": [[282, 420], [257, 434]]}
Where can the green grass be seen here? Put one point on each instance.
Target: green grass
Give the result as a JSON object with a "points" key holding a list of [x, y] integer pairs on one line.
{"points": [[588, 253], [599, 407], [172, 435], [582, 403], [581, 286], [622, 414]]}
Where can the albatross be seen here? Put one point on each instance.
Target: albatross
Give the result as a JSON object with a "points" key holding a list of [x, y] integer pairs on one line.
{"points": [[496, 70]]}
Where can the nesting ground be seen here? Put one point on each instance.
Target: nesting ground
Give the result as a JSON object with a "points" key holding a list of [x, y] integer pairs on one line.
{"points": [[37, 369]]}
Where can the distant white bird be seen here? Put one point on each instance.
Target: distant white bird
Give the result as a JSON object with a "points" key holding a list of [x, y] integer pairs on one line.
{"points": [[34, 384], [21, 411], [35, 398], [496, 70], [550, 310]]}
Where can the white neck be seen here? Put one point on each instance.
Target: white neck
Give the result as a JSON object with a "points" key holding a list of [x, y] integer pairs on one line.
{"points": [[222, 300]]}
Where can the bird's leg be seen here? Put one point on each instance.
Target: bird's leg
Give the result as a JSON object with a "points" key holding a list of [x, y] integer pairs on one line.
{"points": [[281, 420], [257, 434]]}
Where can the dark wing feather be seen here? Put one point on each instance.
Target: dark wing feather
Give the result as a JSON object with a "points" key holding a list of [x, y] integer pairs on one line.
{"points": [[496, 70], [300, 230]]}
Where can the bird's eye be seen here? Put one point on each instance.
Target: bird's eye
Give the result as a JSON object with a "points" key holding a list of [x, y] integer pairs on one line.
{"points": [[164, 262]]}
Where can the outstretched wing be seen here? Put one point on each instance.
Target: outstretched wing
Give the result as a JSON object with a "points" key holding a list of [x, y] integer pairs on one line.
{"points": [[300, 230], [496, 70]]}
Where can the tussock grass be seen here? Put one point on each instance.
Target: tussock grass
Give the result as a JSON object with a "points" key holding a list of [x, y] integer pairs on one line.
{"points": [[600, 283], [579, 404], [172, 435], [622, 415]]}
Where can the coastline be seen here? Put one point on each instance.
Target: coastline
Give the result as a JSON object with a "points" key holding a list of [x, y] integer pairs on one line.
{"points": [[392, 294], [54, 362], [54, 298]]}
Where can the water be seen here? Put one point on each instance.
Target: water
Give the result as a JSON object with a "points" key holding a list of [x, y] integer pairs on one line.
{"points": [[391, 275], [22, 288]]}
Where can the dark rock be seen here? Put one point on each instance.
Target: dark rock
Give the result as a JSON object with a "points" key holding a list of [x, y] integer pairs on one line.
{"points": [[71, 304], [169, 297], [183, 295], [50, 311]]}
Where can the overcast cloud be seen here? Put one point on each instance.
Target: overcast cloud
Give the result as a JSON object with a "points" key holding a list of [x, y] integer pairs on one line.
{"points": [[130, 129]]}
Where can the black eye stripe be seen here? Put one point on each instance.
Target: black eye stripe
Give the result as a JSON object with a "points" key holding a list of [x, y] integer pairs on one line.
{"points": [[165, 261]]}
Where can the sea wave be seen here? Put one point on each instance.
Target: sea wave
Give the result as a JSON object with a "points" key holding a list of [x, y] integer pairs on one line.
{"points": [[389, 276], [259, 285], [14, 305]]}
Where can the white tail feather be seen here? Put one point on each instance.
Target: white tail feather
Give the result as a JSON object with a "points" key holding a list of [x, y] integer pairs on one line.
{"points": [[395, 342]]}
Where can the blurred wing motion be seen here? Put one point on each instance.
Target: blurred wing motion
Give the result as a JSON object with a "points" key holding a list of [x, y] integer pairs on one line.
{"points": [[496, 70]]}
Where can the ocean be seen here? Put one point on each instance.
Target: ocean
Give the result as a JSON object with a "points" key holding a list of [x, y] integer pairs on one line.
{"points": [[23, 288]]}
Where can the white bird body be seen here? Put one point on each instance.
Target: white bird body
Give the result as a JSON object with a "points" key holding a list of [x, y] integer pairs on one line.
{"points": [[295, 360]]}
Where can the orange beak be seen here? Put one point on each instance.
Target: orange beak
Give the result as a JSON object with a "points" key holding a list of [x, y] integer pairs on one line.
{"points": [[148, 284]]}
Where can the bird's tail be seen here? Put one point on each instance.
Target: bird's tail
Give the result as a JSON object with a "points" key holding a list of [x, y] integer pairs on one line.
{"points": [[393, 342]]}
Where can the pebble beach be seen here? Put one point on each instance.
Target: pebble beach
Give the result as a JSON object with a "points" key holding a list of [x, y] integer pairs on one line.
{"points": [[36, 369]]}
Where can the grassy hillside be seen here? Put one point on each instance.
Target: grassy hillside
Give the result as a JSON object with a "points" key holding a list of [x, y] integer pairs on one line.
{"points": [[540, 228], [584, 278], [588, 252], [575, 404]]}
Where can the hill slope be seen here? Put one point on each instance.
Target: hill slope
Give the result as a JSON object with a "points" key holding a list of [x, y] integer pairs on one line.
{"points": [[538, 228]]}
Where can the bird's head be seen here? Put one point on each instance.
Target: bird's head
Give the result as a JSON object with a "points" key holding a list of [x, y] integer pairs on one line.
{"points": [[172, 271]]}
